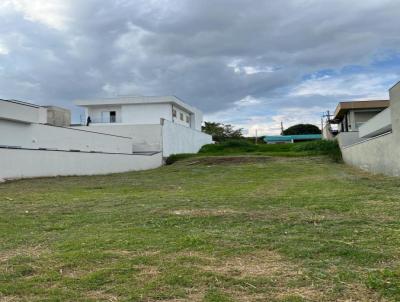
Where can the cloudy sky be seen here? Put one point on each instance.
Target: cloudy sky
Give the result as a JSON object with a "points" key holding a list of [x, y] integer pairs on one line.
{"points": [[251, 63]]}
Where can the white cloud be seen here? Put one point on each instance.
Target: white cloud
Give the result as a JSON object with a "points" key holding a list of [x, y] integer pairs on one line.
{"points": [[53, 13], [350, 86], [4, 49], [238, 67], [247, 101], [249, 118]]}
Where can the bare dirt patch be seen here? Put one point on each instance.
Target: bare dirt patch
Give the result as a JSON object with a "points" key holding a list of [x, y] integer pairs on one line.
{"points": [[205, 212], [228, 160]]}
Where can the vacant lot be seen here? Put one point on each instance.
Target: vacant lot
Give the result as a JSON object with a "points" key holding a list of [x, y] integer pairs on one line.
{"points": [[260, 229]]}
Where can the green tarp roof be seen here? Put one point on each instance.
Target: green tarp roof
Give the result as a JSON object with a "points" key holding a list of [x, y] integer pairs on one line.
{"points": [[288, 138]]}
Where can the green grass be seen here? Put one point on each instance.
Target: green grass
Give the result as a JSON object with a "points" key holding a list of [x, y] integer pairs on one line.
{"points": [[204, 229], [239, 147]]}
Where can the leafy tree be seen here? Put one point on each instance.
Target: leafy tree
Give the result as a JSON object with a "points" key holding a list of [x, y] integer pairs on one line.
{"points": [[302, 129], [221, 132]]}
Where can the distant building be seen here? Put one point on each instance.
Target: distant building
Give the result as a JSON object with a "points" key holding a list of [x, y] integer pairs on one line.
{"points": [[155, 123], [141, 110], [350, 117], [284, 139]]}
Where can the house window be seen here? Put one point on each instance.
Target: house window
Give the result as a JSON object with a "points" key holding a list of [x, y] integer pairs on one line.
{"points": [[181, 116], [187, 119], [173, 113], [113, 117]]}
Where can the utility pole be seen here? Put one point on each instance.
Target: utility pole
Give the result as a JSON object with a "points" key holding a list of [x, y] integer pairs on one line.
{"points": [[281, 128], [256, 137]]}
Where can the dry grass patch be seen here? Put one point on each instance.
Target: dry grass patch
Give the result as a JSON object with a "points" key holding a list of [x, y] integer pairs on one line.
{"points": [[100, 295], [27, 251], [9, 298], [265, 264], [205, 212]]}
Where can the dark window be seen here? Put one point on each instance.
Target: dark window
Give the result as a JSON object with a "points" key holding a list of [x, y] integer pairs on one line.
{"points": [[173, 112], [181, 115], [113, 117]]}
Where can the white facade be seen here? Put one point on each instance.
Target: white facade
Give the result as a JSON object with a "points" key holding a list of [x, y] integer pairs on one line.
{"points": [[141, 110], [164, 124]]}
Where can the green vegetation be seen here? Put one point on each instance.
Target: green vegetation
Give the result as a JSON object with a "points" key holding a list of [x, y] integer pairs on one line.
{"points": [[322, 147], [221, 132], [302, 129], [238, 147], [237, 228]]}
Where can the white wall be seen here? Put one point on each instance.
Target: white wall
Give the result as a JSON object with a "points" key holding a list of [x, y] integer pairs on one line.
{"points": [[377, 155], [19, 112], [139, 114], [348, 138], [143, 137], [378, 124], [45, 136], [16, 163], [95, 113], [179, 139]]}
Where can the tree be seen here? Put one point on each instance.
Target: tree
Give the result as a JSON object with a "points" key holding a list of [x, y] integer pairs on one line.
{"points": [[221, 132], [302, 129]]}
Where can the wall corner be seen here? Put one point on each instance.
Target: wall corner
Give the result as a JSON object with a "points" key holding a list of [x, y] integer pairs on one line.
{"points": [[394, 94]]}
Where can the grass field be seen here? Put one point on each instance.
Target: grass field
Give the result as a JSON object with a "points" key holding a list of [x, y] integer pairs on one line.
{"points": [[204, 229]]}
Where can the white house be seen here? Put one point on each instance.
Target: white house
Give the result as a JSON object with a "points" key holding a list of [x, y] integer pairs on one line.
{"points": [[155, 123], [141, 110]]}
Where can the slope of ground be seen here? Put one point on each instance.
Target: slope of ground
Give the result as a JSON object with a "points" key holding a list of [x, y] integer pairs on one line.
{"points": [[225, 229]]}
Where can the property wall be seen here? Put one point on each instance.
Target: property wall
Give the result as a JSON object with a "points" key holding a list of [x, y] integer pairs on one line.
{"points": [[20, 163], [45, 136], [348, 138], [376, 155], [143, 137], [140, 114], [19, 112], [180, 139], [378, 124]]}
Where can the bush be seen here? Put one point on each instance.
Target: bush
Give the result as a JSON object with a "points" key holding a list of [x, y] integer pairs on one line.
{"points": [[230, 146], [325, 147], [175, 157]]}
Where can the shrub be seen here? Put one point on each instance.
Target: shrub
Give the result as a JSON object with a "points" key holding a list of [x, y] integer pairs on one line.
{"points": [[230, 146], [176, 157], [325, 147]]}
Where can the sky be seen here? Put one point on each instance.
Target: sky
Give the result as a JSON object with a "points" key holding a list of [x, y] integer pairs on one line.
{"points": [[250, 63]]}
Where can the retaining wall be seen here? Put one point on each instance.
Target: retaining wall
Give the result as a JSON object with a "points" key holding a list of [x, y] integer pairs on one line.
{"points": [[23, 163]]}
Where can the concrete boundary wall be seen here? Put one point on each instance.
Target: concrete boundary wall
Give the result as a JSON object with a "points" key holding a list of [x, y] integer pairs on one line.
{"points": [[376, 155], [143, 137], [24, 163], [37, 136], [180, 139]]}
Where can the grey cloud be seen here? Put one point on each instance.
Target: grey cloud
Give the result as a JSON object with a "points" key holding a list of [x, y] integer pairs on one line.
{"points": [[185, 48]]}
